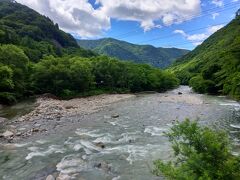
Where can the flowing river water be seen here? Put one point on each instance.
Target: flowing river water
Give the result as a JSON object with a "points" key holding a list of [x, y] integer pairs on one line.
{"points": [[132, 141]]}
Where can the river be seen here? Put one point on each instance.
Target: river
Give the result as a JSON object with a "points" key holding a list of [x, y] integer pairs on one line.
{"points": [[131, 141]]}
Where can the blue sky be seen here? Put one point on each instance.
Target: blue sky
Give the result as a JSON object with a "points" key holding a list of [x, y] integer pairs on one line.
{"points": [[162, 23], [121, 29]]}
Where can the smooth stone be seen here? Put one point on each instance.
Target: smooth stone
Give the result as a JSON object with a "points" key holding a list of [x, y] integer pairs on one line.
{"points": [[180, 93], [7, 134], [50, 177], [100, 144], [18, 134], [115, 116]]}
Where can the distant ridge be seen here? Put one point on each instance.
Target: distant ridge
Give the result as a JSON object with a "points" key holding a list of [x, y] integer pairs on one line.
{"points": [[158, 57]]}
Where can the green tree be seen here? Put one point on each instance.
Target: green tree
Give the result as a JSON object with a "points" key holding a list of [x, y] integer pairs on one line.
{"points": [[200, 153], [14, 63], [6, 81], [62, 76]]}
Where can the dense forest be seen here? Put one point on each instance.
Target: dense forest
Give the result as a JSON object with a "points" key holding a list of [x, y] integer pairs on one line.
{"points": [[157, 57], [214, 66], [36, 57]]}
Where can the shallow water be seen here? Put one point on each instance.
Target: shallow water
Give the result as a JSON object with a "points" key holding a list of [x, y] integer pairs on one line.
{"points": [[17, 110], [131, 141]]}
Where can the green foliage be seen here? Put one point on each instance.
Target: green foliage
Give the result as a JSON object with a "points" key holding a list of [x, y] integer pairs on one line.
{"points": [[71, 76], [201, 85], [135, 77], [215, 63], [200, 153], [13, 71], [158, 57], [62, 76], [7, 98], [6, 81], [232, 85]]}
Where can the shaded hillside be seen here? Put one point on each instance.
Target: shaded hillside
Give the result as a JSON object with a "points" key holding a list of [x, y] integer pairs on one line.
{"points": [[158, 57], [214, 66], [36, 34]]}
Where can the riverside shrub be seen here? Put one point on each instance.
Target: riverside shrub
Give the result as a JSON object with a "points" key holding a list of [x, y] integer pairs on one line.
{"points": [[200, 153]]}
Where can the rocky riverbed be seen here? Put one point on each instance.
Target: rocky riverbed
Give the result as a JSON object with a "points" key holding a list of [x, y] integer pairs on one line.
{"points": [[107, 137], [50, 113]]}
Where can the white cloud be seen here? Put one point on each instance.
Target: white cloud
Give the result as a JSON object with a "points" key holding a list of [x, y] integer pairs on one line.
{"points": [[74, 16], [79, 17], [218, 3], [197, 39], [214, 29], [214, 15], [147, 13]]}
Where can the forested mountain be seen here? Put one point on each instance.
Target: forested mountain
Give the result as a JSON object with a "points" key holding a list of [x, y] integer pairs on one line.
{"points": [[36, 34], [214, 66], [158, 57], [36, 57]]}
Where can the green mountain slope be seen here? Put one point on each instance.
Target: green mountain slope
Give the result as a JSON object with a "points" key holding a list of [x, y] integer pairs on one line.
{"points": [[214, 66], [19, 20], [158, 57], [36, 34]]}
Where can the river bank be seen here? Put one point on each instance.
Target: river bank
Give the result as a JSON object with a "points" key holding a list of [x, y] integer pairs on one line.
{"points": [[49, 113]]}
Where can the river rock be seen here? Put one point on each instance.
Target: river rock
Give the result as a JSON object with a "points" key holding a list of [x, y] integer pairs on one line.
{"points": [[19, 134], [180, 93], [35, 130], [7, 134], [100, 144], [50, 177], [2, 120], [115, 115], [104, 166]]}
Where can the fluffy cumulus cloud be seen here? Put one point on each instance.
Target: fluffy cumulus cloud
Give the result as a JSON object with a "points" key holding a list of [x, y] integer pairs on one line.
{"points": [[149, 12], [79, 16], [74, 16], [197, 39]]}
